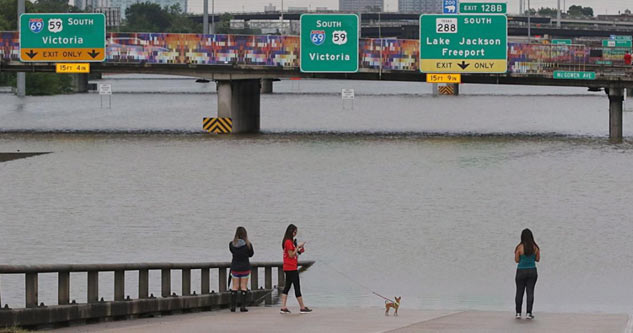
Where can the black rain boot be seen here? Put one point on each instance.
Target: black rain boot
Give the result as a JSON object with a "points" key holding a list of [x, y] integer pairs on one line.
{"points": [[233, 300], [243, 302]]}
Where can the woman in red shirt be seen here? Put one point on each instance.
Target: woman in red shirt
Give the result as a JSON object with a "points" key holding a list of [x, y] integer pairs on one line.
{"points": [[291, 252]]}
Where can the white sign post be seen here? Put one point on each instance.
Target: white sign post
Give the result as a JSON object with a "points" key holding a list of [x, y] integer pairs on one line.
{"points": [[105, 89]]}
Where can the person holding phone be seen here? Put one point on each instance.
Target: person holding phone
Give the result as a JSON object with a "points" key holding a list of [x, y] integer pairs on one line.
{"points": [[292, 250], [242, 250]]}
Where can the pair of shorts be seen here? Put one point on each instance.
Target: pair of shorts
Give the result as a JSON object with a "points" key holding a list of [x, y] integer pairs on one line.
{"points": [[241, 274]]}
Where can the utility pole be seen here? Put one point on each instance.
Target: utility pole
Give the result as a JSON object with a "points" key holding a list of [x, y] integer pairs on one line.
{"points": [[558, 16], [213, 16], [529, 22], [521, 11], [21, 77], [205, 17]]}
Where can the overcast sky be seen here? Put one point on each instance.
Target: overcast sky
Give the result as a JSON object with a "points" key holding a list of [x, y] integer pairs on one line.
{"points": [[599, 6]]}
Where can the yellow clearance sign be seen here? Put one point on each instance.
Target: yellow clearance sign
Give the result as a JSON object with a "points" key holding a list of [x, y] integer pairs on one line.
{"points": [[444, 78], [70, 68], [463, 66]]}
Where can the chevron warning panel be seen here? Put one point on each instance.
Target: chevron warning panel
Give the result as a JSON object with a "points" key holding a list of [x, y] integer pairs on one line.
{"points": [[218, 125], [447, 90]]}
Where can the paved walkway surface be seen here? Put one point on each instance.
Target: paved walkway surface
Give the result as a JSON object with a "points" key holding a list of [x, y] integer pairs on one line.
{"points": [[329, 320]]}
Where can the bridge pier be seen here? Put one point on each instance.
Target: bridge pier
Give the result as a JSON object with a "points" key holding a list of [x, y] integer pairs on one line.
{"points": [[267, 86], [80, 83], [239, 100], [616, 102]]}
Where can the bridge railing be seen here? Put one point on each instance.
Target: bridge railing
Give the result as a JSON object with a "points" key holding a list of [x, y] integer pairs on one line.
{"points": [[96, 307], [384, 54]]}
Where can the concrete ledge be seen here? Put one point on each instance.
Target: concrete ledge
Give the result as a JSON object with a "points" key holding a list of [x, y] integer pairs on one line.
{"points": [[60, 314], [363, 320]]}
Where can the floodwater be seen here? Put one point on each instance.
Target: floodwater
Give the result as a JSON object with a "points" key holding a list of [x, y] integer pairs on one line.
{"points": [[398, 192]]}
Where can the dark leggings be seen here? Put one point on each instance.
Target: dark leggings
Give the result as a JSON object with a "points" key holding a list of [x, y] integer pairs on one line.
{"points": [[292, 277], [526, 280]]}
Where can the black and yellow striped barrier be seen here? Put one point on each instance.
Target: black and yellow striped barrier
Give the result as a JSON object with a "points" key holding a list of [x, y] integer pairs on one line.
{"points": [[218, 125], [447, 90]]}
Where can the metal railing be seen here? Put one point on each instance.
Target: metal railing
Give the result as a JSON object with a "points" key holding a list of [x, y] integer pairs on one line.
{"points": [[31, 273]]}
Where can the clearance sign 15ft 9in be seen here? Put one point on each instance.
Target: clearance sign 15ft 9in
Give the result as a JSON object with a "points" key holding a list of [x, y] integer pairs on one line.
{"points": [[62, 37], [463, 43]]}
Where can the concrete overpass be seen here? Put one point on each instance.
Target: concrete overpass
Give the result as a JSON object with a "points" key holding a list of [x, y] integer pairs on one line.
{"points": [[239, 64]]}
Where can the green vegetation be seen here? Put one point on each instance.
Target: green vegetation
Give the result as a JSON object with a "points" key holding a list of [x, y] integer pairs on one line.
{"points": [[36, 83], [39, 84], [580, 11], [13, 330], [150, 17]]}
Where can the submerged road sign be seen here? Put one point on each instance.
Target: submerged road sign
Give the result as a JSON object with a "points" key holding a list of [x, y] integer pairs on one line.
{"points": [[62, 37], [329, 43], [463, 43]]}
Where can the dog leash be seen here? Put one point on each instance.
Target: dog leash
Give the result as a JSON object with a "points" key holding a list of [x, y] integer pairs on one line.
{"points": [[358, 283]]}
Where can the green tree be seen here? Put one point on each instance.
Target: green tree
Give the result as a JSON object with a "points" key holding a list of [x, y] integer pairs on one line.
{"points": [[546, 11], [147, 17], [224, 26], [9, 14], [54, 6], [580, 11], [180, 22]]}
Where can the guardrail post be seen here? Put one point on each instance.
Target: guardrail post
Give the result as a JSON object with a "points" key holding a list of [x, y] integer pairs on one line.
{"points": [[119, 285], [143, 283], [280, 277], [165, 281], [63, 288], [254, 278], [31, 290], [222, 279], [268, 283], [204, 281], [93, 286], [186, 282]]}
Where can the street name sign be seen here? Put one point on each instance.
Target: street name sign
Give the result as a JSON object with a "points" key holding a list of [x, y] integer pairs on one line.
{"points": [[566, 75], [561, 41], [329, 43], [62, 37], [483, 8], [70, 68], [450, 6], [463, 43], [444, 78]]}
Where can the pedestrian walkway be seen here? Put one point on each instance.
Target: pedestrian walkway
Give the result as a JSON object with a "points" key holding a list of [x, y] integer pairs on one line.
{"points": [[330, 320]]}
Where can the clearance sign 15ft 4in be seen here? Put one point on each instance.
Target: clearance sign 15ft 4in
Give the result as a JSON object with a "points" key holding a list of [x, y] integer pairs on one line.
{"points": [[463, 43], [62, 37]]}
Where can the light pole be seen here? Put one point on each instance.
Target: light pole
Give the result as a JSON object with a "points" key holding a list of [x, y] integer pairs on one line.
{"points": [[21, 76], [213, 16], [205, 17], [529, 22], [558, 16]]}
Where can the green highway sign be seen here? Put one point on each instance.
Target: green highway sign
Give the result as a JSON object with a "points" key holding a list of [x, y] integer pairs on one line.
{"points": [[463, 43], [561, 41], [483, 8], [565, 75], [329, 43], [623, 37], [617, 43], [62, 37]]}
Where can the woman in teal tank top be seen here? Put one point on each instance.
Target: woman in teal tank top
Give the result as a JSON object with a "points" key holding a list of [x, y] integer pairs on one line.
{"points": [[526, 254]]}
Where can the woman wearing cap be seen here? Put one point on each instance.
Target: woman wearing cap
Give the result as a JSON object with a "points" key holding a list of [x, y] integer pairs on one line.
{"points": [[242, 249]]}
